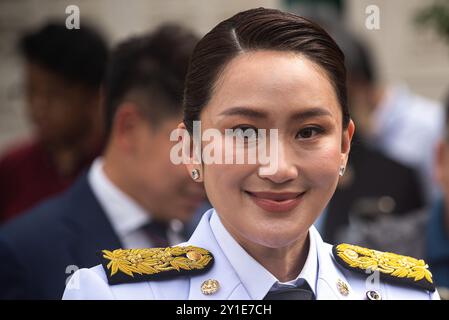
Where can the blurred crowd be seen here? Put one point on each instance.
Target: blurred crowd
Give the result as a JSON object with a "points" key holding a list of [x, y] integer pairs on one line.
{"points": [[97, 172]]}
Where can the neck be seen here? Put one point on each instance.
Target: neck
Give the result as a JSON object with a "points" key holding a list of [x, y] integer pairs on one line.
{"points": [[115, 167], [284, 263], [114, 172]]}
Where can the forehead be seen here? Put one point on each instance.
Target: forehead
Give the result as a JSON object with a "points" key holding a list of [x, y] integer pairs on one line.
{"points": [[44, 78], [275, 81]]}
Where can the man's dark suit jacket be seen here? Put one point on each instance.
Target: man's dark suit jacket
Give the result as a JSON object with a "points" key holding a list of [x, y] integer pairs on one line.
{"points": [[42, 248], [373, 176]]}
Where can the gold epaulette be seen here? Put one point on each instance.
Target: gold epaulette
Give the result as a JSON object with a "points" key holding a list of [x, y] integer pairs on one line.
{"points": [[137, 265], [391, 267]]}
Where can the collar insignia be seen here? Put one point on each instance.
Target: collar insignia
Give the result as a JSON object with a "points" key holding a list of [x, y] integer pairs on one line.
{"points": [[137, 265], [391, 267]]}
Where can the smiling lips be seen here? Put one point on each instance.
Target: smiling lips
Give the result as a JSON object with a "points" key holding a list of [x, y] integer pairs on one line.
{"points": [[276, 202]]}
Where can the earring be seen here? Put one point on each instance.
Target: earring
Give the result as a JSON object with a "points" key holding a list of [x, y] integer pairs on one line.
{"points": [[342, 171], [195, 174]]}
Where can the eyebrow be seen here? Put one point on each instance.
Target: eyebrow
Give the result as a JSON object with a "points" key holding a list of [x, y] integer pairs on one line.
{"points": [[258, 114]]}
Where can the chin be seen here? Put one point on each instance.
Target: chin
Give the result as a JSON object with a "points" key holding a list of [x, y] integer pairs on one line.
{"points": [[275, 240], [276, 243]]}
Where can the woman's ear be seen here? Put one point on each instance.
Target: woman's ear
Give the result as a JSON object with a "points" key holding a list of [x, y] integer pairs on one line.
{"points": [[348, 133], [191, 154]]}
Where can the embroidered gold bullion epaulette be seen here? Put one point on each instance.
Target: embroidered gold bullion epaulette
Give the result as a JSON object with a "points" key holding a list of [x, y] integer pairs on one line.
{"points": [[137, 265], [391, 267]]}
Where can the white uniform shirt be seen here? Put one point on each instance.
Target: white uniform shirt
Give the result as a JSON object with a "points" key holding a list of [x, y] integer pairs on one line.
{"points": [[255, 278], [238, 281]]}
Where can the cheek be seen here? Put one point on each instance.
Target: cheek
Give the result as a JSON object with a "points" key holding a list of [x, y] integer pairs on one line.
{"points": [[172, 177], [71, 117], [230, 176], [225, 174], [321, 167], [222, 179], [178, 179], [161, 164]]}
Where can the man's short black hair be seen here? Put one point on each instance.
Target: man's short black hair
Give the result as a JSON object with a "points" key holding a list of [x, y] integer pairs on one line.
{"points": [[155, 66], [78, 55]]}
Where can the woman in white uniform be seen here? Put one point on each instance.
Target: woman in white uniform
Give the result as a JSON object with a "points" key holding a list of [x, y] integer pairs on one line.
{"points": [[261, 69]]}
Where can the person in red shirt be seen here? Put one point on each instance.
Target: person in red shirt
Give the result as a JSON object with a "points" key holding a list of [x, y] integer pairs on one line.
{"points": [[63, 74]]}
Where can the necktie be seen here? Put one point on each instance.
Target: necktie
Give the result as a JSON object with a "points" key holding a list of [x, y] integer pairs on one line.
{"points": [[299, 293], [157, 232]]}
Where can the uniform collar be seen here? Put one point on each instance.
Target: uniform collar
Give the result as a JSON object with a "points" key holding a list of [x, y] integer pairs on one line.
{"points": [[330, 274], [230, 284], [255, 278], [124, 214], [234, 283]]}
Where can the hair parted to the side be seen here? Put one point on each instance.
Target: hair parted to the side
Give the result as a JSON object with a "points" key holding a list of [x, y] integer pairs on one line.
{"points": [[259, 29]]}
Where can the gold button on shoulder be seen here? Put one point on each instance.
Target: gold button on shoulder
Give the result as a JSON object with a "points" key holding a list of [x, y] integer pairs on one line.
{"points": [[210, 286], [373, 295], [351, 253], [194, 255], [342, 287]]}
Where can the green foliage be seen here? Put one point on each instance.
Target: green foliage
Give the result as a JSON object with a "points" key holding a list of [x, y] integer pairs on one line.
{"points": [[436, 17]]}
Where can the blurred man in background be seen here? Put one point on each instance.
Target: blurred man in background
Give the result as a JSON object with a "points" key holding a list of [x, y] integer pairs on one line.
{"points": [[424, 233], [375, 184], [399, 123], [132, 195], [63, 73]]}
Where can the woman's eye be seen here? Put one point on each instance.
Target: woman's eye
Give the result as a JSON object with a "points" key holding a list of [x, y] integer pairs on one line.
{"points": [[245, 132], [308, 133]]}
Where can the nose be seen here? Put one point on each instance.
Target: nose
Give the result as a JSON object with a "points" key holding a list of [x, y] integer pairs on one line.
{"points": [[285, 167]]}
